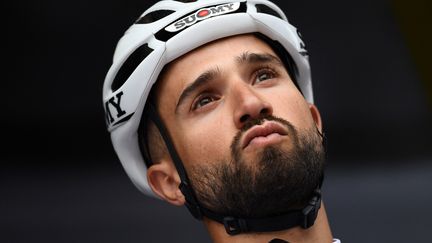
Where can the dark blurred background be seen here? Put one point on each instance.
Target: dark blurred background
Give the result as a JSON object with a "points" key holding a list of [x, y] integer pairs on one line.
{"points": [[60, 180]]}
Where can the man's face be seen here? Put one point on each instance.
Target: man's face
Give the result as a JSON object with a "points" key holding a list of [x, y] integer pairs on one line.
{"points": [[234, 115]]}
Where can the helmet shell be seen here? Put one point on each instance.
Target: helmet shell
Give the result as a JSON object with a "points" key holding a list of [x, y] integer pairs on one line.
{"points": [[166, 31]]}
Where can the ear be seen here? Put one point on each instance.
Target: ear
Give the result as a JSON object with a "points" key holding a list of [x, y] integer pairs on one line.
{"points": [[164, 181], [316, 116]]}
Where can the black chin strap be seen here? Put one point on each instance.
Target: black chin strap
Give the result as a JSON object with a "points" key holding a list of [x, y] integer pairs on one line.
{"points": [[304, 218], [185, 187]]}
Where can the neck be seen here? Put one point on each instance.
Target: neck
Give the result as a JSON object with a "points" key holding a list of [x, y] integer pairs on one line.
{"points": [[318, 233]]}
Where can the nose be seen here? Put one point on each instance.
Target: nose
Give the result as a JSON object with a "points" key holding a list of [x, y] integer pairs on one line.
{"points": [[249, 105]]}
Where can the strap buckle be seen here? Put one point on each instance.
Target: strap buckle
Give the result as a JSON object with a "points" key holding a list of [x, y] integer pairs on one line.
{"points": [[310, 212], [234, 226]]}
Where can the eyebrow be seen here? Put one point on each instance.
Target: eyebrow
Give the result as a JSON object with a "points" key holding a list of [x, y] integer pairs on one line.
{"points": [[200, 81], [211, 74], [252, 58]]}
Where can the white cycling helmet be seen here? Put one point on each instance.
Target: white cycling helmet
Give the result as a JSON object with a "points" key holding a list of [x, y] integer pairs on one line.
{"points": [[168, 30]]}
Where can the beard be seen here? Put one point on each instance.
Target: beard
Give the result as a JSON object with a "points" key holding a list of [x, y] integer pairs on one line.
{"points": [[278, 180]]}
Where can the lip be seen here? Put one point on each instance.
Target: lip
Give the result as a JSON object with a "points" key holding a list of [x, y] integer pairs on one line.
{"points": [[264, 130]]}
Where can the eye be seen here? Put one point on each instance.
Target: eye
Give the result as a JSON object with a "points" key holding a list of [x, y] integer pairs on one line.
{"points": [[203, 100], [264, 74]]}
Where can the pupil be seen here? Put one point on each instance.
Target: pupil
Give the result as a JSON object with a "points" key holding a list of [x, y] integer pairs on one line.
{"points": [[205, 101]]}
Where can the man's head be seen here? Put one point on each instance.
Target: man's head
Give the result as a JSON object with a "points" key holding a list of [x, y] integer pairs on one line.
{"points": [[241, 127], [227, 108]]}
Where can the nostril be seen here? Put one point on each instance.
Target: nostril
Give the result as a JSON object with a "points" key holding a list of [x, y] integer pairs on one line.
{"points": [[264, 111], [244, 118]]}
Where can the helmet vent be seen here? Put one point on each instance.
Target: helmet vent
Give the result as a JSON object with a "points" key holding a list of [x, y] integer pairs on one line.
{"points": [[261, 8], [130, 65], [153, 16]]}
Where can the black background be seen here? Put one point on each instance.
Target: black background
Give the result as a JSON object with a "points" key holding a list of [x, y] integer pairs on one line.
{"points": [[61, 180]]}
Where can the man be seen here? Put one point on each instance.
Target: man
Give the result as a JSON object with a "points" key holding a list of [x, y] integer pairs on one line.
{"points": [[210, 105]]}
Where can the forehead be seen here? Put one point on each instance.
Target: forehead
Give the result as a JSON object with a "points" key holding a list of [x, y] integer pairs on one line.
{"points": [[177, 74], [220, 50]]}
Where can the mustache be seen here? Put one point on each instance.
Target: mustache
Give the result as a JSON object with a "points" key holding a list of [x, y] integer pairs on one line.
{"points": [[258, 121]]}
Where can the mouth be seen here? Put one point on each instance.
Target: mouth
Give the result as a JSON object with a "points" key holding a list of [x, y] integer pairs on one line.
{"points": [[262, 135]]}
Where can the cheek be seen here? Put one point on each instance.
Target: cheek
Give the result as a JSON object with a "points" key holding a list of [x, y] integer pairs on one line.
{"points": [[206, 141], [289, 104]]}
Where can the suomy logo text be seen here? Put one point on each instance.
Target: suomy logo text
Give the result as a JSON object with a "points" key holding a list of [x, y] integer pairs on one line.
{"points": [[202, 14], [115, 103]]}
